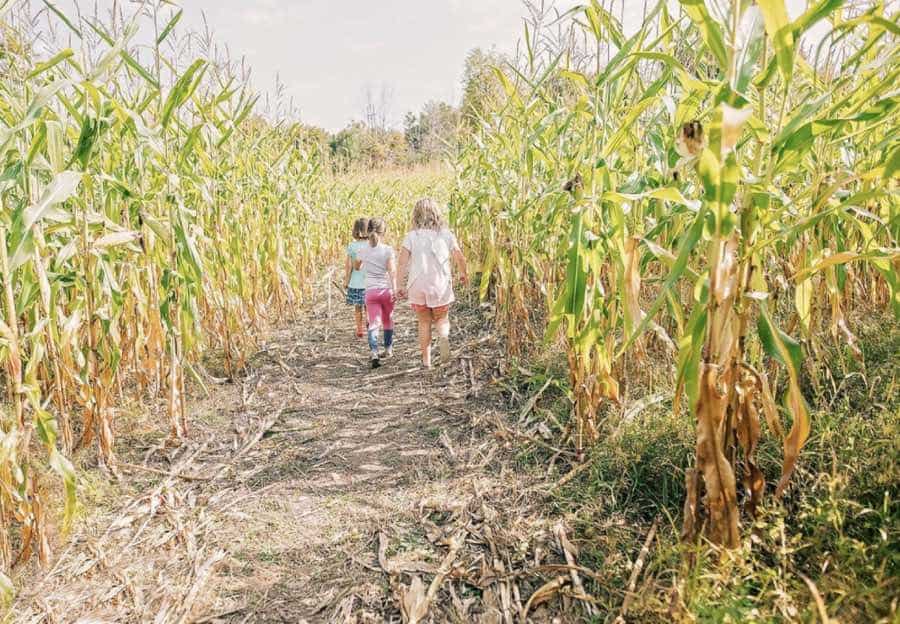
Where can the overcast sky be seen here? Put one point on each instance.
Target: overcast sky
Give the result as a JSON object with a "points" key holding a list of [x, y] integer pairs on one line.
{"points": [[327, 52]]}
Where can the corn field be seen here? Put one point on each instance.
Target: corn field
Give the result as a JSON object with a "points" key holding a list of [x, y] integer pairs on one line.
{"points": [[715, 194], [717, 191], [148, 217]]}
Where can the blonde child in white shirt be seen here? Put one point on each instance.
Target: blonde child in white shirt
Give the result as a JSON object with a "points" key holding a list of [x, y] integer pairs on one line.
{"points": [[425, 258]]}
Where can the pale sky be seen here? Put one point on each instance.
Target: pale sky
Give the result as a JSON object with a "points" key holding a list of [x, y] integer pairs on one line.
{"points": [[327, 52]]}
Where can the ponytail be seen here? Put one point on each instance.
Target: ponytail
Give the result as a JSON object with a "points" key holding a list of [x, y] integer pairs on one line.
{"points": [[361, 229], [377, 228]]}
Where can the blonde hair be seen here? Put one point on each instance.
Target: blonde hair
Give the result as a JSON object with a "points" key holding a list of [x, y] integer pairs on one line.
{"points": [[376, 230], [427, 215], [360, 228]]}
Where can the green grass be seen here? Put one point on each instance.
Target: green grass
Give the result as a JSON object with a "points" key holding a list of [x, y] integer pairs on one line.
{"points": [[838, 525]]}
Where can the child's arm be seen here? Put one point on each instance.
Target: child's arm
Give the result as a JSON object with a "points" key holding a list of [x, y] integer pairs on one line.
{"points": [[460, 260], [392, 272], [404, 270], [348, 266]]}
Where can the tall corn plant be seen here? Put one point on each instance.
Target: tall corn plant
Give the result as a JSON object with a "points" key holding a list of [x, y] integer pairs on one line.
{"points": [[146, 217], [717, 179], [740, 174]]}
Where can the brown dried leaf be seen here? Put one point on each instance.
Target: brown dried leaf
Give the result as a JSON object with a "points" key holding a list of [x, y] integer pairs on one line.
{"points": [[718, 476], [748, 436], [491, 605], [692, 486], [544, 593], [768, 402], [795, 440], [413, 601]]}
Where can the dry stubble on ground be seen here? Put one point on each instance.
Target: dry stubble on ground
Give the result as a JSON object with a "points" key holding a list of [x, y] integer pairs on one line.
{"points": [[315, 489]]}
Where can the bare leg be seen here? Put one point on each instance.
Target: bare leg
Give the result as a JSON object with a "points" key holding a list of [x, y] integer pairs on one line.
{"points": [[424, 317], [360, 326], [442, 327]]}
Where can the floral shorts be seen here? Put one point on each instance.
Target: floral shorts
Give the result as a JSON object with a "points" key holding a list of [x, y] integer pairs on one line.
{"points": [[356, 296]]}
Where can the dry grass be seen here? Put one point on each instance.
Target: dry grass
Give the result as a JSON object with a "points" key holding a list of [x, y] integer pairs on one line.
{"points": [[275, 507]]}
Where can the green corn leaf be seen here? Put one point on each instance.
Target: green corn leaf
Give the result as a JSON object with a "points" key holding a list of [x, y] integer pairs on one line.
{"points": [[617, 60], [789, 353], [139, 69], [64, 468], [688, 242], [181, 91], [892, 163], [779, 28], [65, 20], [576, 277], [90, 132], [690, 349], [712, 35], [53, 61], [779, 345], [169, 27], [814, 14], [188, 250], [750, 47], [59, 190], [710, 172]]}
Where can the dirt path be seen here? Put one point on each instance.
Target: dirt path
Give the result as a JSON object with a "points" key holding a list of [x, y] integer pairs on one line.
{"points": [[354, 454], [315, 490]]}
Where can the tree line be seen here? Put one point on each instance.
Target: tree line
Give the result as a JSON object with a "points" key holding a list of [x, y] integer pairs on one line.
{"points": [[428, 135]]}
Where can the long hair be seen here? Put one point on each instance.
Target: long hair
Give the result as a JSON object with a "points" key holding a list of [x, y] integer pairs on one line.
{"points": [[360, 228], [376, 230], [427, 215]]}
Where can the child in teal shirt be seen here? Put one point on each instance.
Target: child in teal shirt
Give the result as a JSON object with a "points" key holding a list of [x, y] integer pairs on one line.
{"points": [[356, 278]]}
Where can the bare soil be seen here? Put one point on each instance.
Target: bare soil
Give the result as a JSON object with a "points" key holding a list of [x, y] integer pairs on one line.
{"points": [[319, 490]]}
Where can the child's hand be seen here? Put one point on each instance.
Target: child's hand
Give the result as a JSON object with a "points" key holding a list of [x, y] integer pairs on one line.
{"points": [[401, 294], [464, 279]]}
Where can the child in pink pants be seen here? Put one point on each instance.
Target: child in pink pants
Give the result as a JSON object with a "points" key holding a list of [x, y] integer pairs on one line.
{"points": [[377, 261]]}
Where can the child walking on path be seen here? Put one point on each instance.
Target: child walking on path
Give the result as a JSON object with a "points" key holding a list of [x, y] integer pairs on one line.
{"points": [[377, 261], [426, 256], [355, 280]]}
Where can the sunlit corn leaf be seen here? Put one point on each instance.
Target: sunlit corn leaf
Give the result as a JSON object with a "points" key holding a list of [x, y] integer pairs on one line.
{"points": [[780, 31], [181, 91], [712, 34]]}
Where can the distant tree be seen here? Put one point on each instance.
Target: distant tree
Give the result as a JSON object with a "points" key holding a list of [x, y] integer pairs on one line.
{"points": [[413, 131], [313, 137], [434, 130], [358, 146], [384, 149], [482, 90], [346, 146]]}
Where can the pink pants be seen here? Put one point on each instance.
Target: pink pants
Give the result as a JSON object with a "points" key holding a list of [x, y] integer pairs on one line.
{"points": [[380, 307]]}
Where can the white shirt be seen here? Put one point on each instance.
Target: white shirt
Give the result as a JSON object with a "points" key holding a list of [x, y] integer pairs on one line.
{"points": [[375, 265], [430, 282]]}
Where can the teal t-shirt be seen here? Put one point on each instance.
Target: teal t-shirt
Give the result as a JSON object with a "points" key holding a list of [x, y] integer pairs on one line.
{"points": [[357, 277]]}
